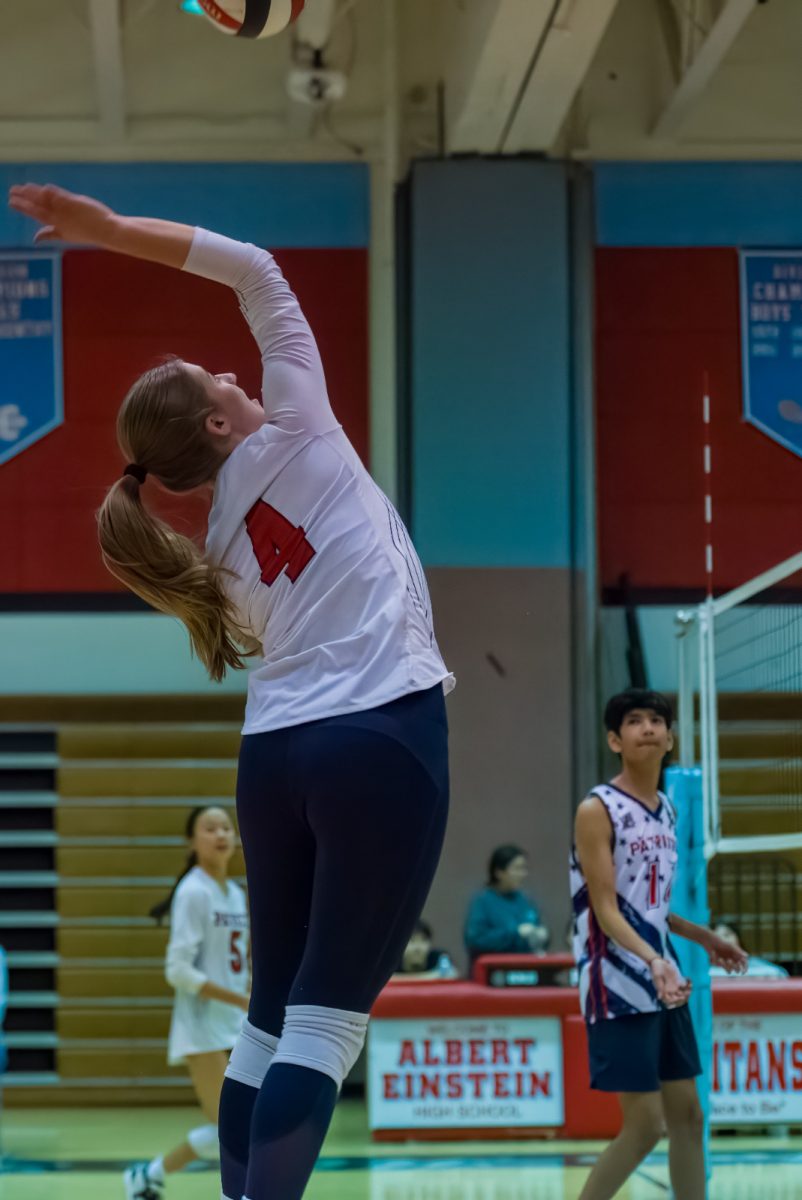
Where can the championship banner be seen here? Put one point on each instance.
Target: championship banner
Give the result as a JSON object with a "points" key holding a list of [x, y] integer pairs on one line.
{"points": [[473, 1072], [757, 1069], [771, 343], [31, 402]]}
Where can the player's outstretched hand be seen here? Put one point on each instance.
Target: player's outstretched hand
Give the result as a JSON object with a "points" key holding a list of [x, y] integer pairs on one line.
{"points": [[722, 953], [672, 989], [63, 216]]}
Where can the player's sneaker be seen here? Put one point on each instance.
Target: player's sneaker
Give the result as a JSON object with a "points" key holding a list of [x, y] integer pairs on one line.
{"points": [[139, 1185]]}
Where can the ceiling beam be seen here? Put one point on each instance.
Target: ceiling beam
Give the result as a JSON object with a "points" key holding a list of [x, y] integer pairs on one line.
{"points": [[731, 19], [260, 138], [492, 44], [557, 75], [107, 55]]}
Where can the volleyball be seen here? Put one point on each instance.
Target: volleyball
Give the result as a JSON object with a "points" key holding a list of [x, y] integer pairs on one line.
{"points": [[252, 18]]}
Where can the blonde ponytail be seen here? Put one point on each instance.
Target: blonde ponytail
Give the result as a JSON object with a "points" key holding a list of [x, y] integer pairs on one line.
{"points": [[161, 426], [168, 571]]}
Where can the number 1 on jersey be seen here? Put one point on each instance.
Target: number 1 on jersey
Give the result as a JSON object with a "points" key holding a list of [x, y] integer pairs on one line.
{"points": [[654, 885], [277, 544]]}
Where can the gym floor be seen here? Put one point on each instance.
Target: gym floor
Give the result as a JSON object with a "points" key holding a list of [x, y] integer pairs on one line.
{"points": [[79, 1154]]}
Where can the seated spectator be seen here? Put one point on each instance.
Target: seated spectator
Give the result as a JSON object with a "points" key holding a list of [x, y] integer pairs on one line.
{"points": [[422, 960], [502, 919], [756, 968]]}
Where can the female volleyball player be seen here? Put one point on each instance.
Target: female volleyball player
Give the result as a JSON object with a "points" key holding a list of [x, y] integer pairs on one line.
{"points": [[207, 965], [634, 998], [342, 787]]}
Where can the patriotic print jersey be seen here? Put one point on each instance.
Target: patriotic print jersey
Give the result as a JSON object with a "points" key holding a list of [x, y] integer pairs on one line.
{"points": [[614, 982]]}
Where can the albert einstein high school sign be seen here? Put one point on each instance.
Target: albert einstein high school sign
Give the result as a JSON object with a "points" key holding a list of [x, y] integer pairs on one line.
{"points": [[30, 349], [471, 1072]]}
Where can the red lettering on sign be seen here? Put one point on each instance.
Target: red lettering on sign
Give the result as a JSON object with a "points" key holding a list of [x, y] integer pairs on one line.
{"points": [[524, 1045], [754, 1081], [477, 1058], [501, 1087], [716, 1080], [429, 1086], [776, 1066], [390, 1088], [796, 1063], [453, 1052], [501, 1052], [541, 1084], [429, 1059], [733, 1051], [477, 1078], [407, 1055], [454, 1085]]}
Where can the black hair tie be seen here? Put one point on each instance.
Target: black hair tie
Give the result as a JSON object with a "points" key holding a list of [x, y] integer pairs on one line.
{"points": [[138, 473]]}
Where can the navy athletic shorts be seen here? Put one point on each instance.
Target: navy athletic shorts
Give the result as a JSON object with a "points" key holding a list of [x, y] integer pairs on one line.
{"points": [[639, 1052]]}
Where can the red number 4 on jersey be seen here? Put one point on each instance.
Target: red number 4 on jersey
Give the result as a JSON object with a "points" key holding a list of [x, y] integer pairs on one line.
{"points": [[277, 544]]}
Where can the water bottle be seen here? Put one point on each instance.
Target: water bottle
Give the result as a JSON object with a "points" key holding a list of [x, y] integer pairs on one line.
{"points": [[444, 966]]}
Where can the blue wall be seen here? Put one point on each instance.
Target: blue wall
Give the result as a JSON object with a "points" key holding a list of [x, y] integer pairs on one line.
{"points": [[272, 204], [490, 375], [699, 204]]}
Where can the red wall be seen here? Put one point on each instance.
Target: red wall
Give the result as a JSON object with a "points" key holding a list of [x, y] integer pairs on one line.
{"points": [[664, 318], [120, 316]]}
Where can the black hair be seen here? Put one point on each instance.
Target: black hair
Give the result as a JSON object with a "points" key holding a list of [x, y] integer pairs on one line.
{"points": [[160, 910], [619, 705], [500, 859], [423, 927]]}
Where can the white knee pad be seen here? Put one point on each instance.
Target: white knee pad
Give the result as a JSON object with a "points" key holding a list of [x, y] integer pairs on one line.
{"points": [[324, 1039], [204, 1142], [252, 1054]]}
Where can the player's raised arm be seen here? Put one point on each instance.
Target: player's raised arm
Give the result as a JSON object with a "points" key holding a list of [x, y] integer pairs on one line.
{"points": [[592, 838], [67, 217], [294, 391]]}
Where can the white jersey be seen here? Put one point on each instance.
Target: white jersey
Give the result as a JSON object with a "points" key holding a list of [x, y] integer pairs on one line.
{"points": [[614, 982], [325, 577], [208, 941]]}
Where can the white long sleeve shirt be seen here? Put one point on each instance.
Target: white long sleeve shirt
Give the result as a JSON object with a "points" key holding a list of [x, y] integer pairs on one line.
{"points": [[209, 935], [325, 576]]}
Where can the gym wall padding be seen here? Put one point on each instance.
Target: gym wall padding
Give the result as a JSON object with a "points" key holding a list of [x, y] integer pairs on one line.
{"points": [[667, 312]]}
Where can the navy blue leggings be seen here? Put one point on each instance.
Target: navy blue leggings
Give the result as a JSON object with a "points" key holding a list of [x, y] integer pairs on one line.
{"points": [[342, 822]]}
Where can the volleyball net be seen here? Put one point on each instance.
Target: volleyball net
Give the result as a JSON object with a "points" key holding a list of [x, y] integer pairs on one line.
{"points": [[740, 711]]}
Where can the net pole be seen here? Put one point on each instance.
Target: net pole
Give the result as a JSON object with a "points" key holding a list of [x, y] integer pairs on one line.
{"points": [[685, 624]]}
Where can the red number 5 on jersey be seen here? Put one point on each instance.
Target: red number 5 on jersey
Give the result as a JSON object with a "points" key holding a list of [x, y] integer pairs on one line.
{"points": [[277, 544], [235, 952]]}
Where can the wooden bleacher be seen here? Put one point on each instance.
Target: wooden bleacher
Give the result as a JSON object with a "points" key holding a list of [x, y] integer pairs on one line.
{"points": [[127, 772]]}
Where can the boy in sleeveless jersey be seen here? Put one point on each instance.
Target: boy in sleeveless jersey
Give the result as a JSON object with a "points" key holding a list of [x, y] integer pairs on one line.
{"points": [[634, 997]]}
